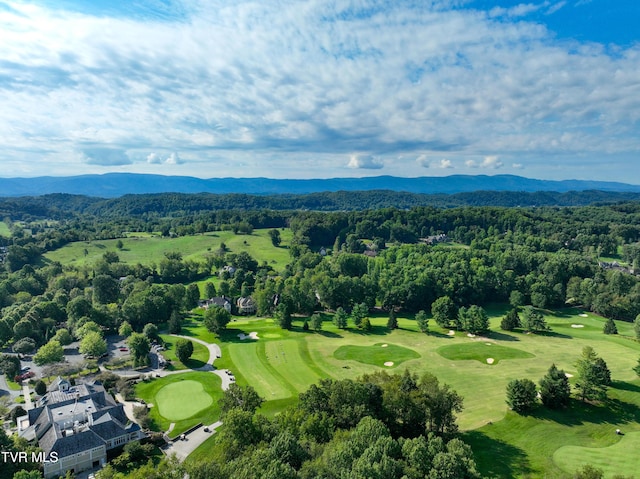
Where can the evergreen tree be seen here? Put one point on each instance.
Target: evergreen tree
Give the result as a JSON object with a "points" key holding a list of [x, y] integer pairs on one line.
{"points": [[636, 327], [511, 321], [636, 369], [533, 321], [175, 323], [521, 395], [392, 322], [423, 321], [555, 389], [340, 318], [593, 376], [184, 350], [610, 327], [359, 312], [282, 316]]}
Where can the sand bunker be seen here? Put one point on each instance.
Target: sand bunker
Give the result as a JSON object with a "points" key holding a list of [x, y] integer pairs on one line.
{"points": [[584, 315], [568, 375], [251, 335], [389, 363], [471, 335], [452, 333], [489, 360], [384, 345], [488, 344], [577, 325]]}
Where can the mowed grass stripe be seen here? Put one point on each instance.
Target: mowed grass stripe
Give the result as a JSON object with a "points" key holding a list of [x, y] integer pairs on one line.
{"points": [[246, 359], [285, 357]]}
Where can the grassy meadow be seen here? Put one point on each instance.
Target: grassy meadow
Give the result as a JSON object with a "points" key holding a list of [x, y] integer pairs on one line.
{"points": [[147, 249], [4, 230]]}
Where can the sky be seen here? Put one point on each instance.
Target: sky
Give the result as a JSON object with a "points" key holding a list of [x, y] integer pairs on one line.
{"points": [[545, 89]]}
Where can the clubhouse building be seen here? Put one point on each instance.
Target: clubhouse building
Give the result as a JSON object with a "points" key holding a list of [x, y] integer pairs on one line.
{"points": [[75, 426]]}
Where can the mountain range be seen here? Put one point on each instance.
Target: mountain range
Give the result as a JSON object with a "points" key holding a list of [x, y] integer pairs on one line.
{"points": [[113, 185]]}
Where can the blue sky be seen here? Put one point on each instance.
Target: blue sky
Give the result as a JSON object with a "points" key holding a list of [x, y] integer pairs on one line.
{"points": [[321, 88]]}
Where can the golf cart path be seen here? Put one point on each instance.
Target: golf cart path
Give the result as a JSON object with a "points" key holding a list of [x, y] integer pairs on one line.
{"points": [[214, 352]]}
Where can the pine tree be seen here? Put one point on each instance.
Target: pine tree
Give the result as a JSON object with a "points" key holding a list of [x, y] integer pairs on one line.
{"points": [[392, 322], [340, 318], [511, 321], [555, 389], [423, 321], [610, 327]]}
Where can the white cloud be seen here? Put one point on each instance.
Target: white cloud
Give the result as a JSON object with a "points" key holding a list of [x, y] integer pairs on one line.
{"points": [[517, 166], [366, 162], [105, 156], [491, 162], [398, 79]]}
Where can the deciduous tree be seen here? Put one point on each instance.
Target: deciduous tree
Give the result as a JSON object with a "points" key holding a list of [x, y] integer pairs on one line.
{"points": [[216, 319], [51, 352], [184, 350], [423, 321], [93, 344], [140, 347]]}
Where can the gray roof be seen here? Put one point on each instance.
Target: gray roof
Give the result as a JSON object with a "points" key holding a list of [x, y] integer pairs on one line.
{"points": [[84, 419]]}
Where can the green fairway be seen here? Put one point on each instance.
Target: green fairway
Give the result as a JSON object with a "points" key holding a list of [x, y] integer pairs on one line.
{"points": [[145, 249], [484, 351], [616, 459], [4, 230], [379, 354], [184, 399], [171, 404]]}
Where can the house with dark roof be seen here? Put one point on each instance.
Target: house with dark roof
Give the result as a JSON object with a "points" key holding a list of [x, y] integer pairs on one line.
{"points": [[219, 301], [78, 424]]}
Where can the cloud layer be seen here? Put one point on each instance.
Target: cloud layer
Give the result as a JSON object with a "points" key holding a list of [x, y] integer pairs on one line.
{"points": [[312, 89]]}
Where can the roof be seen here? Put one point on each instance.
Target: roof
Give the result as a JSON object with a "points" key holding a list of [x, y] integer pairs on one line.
{"points": [[83, 418]]}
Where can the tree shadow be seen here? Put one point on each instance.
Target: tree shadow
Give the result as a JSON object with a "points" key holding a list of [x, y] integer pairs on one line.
{"points": [[373, 331], [498, 336], [553, 334], [498, 459], [437, 334], [329, 334], [610, 411], [625, 386]]}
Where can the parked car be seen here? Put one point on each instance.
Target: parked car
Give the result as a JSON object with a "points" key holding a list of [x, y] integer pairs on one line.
{"points": [[123, 349]]}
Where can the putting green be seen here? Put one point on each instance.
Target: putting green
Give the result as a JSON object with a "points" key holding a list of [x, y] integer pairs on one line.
{"points": [[377, 355], [616, 459], [485, 352], [181, 400]]}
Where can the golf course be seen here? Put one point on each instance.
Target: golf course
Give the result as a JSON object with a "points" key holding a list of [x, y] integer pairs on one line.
{"points": [[280, 364]]}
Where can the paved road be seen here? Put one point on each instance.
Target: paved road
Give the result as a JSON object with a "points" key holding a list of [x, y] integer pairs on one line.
{"points": [[183, 448]]}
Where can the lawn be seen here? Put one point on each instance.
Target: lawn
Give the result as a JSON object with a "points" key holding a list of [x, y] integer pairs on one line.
{"points": [[170, 404], [198, 359], [146, 249]]}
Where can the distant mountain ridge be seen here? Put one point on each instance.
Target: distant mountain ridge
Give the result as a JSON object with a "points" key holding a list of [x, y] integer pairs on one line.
{"points": [[113, 185]]}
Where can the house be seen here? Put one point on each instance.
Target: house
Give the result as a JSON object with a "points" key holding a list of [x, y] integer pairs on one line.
{"points": [[246, 305], [220, 301], [75, 426]]}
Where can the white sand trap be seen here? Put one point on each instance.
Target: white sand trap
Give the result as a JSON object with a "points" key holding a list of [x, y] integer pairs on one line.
{"points": [[583, 315], [452, 333], [384, 345], [251, 335], [489, 360], [568, 375], [577, 325], [471, 335], [389, 363]]}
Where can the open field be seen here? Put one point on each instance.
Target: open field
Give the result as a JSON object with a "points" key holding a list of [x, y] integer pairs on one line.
{"points": [[184, 399], [145, 249], [4, 229], [280, 364]]}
